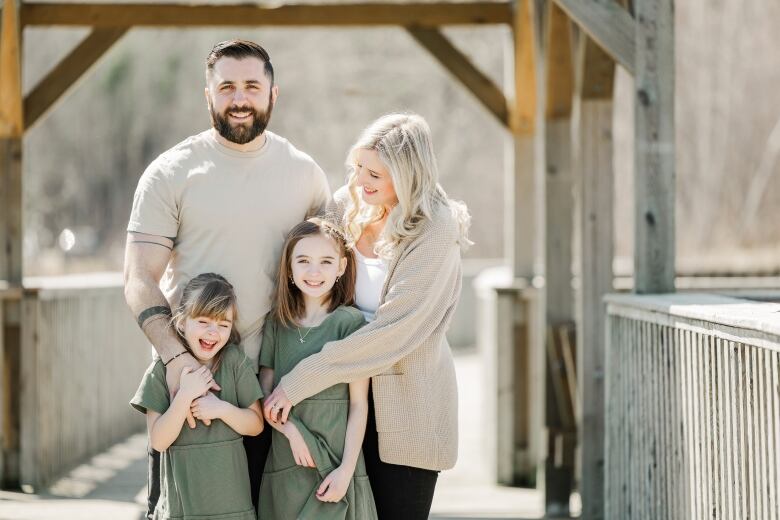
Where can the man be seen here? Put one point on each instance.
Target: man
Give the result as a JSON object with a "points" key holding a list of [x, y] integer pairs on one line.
{"points": [[220, 201]]}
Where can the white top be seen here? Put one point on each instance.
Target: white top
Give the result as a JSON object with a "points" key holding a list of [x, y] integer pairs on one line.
{"points": [[371, 274]]}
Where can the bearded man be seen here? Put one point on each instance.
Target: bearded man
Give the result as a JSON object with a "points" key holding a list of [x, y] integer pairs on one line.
{"points": [[220, 201]]}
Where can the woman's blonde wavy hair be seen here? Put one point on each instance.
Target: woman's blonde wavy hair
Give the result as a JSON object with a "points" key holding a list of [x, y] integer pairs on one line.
{"points": [[405, 147]]}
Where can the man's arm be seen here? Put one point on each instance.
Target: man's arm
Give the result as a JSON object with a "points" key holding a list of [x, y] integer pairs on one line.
{"points": [[146, 257]]}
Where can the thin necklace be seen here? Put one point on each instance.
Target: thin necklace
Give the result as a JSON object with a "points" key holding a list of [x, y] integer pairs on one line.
{"points": [[303, 338]]}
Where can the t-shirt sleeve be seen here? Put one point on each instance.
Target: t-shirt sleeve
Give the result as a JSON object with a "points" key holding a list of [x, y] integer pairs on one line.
{"points": [[268, 345], [247, 385], [155, 208], [354, 321], [320, 192], [152, 393]]}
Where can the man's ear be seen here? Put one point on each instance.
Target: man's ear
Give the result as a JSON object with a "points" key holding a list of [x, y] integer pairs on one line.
{"points": [[274, 93]]}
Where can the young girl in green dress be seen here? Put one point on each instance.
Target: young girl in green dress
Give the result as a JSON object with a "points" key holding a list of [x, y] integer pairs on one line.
{"points": [[315, 469], [204, 471]]}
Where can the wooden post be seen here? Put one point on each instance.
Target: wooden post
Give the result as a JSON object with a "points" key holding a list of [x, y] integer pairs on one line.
{"points": [[592, 157], [11, 130], [554, 80], [654, 194]]}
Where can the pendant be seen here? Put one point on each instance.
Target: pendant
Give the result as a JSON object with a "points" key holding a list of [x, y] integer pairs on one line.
{"points": [[302, 340]]}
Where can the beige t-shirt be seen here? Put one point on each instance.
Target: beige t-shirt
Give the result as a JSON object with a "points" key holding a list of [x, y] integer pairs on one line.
{"points": [[228, 212]]}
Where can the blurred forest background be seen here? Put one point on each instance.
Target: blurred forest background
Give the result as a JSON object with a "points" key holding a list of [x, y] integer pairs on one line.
{"points": [[83, 160]]}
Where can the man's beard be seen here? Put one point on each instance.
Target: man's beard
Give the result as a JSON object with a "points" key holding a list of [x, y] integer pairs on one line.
{"points": [[241, 133]]}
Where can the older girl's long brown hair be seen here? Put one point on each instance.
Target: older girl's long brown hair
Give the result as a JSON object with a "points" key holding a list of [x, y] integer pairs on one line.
{"points": [[288, 305]]}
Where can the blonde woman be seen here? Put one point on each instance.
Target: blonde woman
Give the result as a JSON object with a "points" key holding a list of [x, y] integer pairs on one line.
{"points": [[408, 237]]}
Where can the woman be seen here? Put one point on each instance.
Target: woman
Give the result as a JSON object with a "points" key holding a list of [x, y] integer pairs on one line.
{"points": [[409, 235]]}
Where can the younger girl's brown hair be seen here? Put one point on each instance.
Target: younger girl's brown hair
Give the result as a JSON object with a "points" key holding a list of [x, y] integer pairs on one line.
{"points": [[207, 295], [288, 300]]}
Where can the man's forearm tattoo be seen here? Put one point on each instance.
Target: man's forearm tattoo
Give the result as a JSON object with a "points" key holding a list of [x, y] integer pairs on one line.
{"points": [[157, 310]]}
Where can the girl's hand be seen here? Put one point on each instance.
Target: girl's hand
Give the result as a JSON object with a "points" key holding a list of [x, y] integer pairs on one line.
{"points": [[335, 485], [298, 446], [193, 384], [207, 407]]}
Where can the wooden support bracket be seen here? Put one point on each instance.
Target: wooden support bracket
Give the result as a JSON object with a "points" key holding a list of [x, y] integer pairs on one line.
{"points": [[459, 65], [609, 24], [67, 72]]}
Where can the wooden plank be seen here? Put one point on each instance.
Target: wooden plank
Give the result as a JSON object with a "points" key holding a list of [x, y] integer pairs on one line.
{"points": [[592, 156], [180, 15], [30, 463], [559, 65], [654, 190], [10, 73], [459, 65], [68, 71], [608, 24], [10, 147]]}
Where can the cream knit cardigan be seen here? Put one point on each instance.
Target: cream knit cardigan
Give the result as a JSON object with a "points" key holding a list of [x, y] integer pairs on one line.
{"points": [[404, 350]]}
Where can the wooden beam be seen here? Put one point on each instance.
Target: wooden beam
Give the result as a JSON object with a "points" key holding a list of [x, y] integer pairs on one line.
{"points": [[594, 174], [555, 80], [524, 109], [11, 121], [654, 190], [559, 68], [11, 129], [179, 15], [459, 65], [609, 24], [67, 72]]}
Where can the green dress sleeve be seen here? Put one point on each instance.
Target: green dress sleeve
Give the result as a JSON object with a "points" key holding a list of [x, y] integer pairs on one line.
{"points": [[268, 346], [152, 393], [247, 385], [351, 323]]}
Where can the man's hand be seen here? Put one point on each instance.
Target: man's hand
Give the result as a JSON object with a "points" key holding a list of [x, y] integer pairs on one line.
{"points": [[276, 406], [173, 375]]}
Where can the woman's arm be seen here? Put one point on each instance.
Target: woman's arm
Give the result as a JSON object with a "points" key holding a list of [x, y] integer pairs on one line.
{"points": [[244, 421], [422, 289], [334, 486]]}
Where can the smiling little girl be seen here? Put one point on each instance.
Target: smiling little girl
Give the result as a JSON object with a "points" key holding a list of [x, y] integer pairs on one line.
{"points": [[315, 469], [204, 471]]}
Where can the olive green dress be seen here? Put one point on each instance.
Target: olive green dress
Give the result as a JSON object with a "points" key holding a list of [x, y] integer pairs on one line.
{"points": [[204, 473], [288, 491]]}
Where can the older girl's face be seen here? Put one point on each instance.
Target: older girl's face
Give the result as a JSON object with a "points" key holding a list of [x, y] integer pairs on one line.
{"points": [[374, 180]]}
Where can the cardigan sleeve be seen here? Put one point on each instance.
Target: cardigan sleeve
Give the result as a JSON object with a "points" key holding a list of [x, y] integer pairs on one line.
{"points": [[417, 300]]}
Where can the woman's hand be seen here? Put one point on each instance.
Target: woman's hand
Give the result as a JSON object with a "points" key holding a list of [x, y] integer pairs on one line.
{"points": [[208, 407], [194, 383], [276, 406], [298, 446], [335, 485]]}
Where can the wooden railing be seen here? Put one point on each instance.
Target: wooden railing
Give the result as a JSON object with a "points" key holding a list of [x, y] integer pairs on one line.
{"points": [[81, 357], [693, 408]]}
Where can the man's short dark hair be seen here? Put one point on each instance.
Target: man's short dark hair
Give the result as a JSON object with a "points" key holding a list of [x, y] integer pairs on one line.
{"points": [[240, 49]]}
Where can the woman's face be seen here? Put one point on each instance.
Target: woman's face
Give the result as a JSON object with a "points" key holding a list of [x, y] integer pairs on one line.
{"points": [[374, 180], [316, 263]]}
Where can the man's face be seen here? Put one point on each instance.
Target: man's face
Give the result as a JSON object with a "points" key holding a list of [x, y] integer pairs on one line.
{"points": [[240, 98]]}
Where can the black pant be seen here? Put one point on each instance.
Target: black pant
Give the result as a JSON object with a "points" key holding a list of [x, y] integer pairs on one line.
{"points": [[256, 452], [400, 492]]}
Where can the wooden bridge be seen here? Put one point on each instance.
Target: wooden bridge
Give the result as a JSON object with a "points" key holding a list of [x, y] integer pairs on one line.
{"points": [[675, 413]]}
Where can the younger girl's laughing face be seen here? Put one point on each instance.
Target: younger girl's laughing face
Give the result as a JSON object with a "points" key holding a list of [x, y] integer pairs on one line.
{"points": [[206, 335]]}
